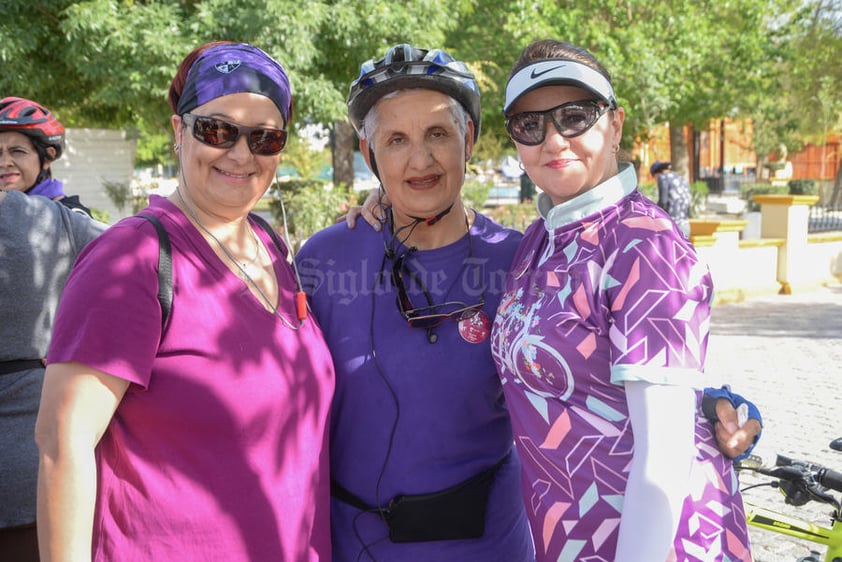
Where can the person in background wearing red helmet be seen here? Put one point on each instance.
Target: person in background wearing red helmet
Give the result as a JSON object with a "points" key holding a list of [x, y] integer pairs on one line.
{"points": [[31, 139], [40, 240]]}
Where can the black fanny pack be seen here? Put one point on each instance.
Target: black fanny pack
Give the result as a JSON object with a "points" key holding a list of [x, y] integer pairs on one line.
{"points": [[457, 512]]}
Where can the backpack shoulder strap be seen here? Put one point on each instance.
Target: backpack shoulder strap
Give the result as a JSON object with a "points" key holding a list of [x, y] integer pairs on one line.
{"points": [[270, 231], [165, 276], [165, 291], [72, 202]]}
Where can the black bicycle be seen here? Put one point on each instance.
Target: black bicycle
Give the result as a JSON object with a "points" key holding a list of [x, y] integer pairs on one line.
{"points": [[800, 482]]}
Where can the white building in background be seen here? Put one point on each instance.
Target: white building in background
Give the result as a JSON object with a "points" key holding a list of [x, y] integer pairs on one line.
{"points": [[91, 158]]}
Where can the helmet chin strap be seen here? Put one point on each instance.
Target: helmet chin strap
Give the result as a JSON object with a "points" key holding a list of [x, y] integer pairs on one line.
{"points": [[430, 221], [43, 156], [373, 164]]}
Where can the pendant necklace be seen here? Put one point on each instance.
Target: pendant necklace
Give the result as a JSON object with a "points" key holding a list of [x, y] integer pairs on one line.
{"points": [[241, 266]]}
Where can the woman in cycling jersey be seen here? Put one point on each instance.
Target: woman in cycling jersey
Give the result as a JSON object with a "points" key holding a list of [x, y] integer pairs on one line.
{"points": [[600, 340]]}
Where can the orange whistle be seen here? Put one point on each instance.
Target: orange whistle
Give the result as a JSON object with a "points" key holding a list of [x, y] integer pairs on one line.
{"points": [[301, 305]]}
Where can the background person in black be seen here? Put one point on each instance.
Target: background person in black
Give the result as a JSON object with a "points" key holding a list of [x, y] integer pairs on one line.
{"points": [[673, 194]]}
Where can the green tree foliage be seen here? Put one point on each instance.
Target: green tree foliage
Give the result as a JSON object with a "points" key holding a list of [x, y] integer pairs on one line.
{"points": [[807, 104], [816, 74], [683, 61], [96, 63], [108, 63], [309, 205]]}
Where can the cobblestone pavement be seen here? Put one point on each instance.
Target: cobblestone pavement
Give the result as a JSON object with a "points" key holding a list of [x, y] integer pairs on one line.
{"points": [[784, 352]]}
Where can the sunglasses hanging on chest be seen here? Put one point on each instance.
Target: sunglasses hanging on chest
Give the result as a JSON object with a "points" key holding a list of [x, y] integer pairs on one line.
{"points": [[473, 323]]}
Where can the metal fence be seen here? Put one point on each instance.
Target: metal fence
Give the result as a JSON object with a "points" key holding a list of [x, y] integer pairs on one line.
{"points": [[728, 183], [826, 215], [824, 218]]}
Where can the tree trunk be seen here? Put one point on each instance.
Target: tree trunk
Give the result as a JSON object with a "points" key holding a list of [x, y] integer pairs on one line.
{"points": [[343, 154], [836, 197], [679, 160], [695, 172]]}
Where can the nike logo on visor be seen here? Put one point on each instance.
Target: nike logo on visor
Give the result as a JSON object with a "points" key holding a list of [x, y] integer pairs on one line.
{"points": [[535, 74]]}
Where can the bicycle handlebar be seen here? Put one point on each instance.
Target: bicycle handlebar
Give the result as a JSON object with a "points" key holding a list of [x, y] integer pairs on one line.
{"points": [[800, 481], [807, 470], [831, 479]]}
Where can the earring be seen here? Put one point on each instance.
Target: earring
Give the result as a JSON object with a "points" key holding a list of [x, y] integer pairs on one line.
{"points": [[520, 165], [176, 147]]}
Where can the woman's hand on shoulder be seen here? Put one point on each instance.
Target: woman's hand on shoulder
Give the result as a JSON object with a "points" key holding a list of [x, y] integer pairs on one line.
{"points": [[373, 210]]}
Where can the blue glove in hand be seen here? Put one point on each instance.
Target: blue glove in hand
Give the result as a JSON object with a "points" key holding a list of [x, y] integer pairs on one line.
{"points": [[711, 395]]}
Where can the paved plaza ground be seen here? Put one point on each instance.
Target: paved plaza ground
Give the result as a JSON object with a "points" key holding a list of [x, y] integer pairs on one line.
{"points": [[784, 352]]}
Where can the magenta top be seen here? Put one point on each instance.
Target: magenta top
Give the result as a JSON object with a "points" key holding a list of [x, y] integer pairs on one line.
{"points": [[218, 450]]}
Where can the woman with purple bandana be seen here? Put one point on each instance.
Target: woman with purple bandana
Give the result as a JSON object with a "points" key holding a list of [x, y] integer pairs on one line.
{"points": [[600, 340], [31, 139], [200, 434]]}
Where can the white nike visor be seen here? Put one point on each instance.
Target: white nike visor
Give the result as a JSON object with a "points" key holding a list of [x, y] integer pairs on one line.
{"points": [[558, 72]]}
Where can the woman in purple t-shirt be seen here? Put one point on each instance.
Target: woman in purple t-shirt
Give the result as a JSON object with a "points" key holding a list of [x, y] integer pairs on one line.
{"points": [[600, 340], [205, 437], [421, 456]]}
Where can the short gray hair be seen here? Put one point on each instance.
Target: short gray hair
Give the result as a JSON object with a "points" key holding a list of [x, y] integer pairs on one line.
{"points": [[371, 120]]}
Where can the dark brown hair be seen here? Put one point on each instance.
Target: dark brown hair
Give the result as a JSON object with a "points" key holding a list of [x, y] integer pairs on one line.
{"points": [[544, 49]]}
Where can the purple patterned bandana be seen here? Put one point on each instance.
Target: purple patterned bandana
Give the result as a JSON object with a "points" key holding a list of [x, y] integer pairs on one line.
{"points": [[231, 69]]}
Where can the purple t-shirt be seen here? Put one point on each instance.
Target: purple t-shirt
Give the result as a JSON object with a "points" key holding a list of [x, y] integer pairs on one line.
{"points": [[218, 450], [442, 400], [611, 292]]}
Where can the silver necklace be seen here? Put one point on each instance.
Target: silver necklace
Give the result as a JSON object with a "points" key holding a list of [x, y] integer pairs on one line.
{"points": [[248, 264], [244, 274]]}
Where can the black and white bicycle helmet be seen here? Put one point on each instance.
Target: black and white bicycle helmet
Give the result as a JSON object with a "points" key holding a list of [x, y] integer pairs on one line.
{"points": [[404, 67]]}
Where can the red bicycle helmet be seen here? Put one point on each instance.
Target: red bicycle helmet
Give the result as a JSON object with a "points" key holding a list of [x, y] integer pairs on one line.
{"points": [[32, 119]]}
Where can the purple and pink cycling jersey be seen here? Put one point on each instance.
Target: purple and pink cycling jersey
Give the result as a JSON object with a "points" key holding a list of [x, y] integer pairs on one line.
{"points": [[607, 290]]}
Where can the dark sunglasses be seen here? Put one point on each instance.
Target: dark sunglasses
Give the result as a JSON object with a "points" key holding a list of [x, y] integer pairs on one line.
{"points": [[570, 120], [222, 134], [432, 315]]}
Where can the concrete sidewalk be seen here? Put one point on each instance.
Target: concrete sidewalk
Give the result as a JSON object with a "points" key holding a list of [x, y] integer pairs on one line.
{"points": [[784, 352]]}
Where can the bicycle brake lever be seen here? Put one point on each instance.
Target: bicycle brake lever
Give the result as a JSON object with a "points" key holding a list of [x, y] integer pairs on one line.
{"points": [[791, 473], [820, 494], [751, 462]]}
